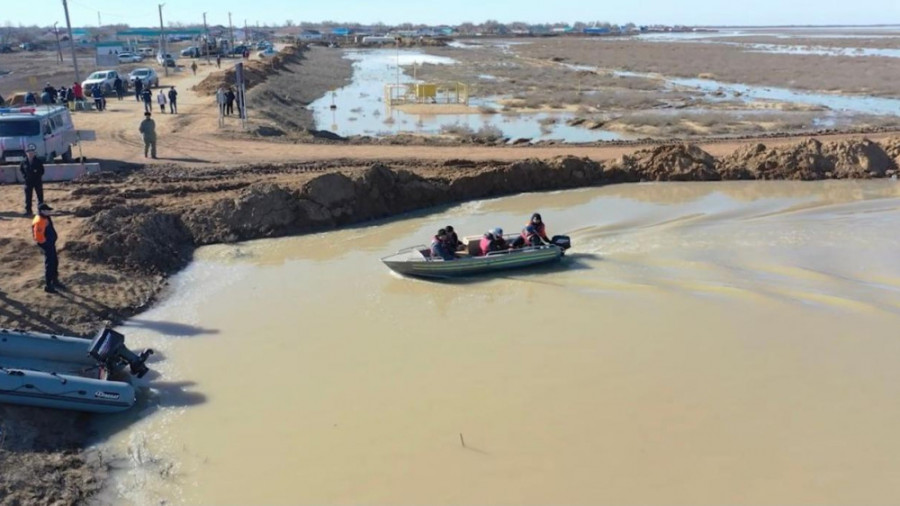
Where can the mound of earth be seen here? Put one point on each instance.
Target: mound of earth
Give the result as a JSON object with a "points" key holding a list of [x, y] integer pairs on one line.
{"points": [[858, 159], [260, 210], [892, 148], [808, 160], [255, 71], [678, 162], [136, 237], [527, 176]]}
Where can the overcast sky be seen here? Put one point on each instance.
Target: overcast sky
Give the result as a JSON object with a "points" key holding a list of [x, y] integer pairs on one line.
{"points": [[688, 12]]}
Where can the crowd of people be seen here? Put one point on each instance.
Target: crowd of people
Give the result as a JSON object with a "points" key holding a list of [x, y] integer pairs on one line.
{"points": [[447, 246], [32, 168]]}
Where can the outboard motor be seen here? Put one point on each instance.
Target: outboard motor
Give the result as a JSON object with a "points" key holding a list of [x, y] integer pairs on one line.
{"points": [[562, 241], [109, 349]]}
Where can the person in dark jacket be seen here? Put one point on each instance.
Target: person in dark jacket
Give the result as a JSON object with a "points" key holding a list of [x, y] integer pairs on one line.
{"points": [[229, 102], [51, 92], [147, 97], [32, 169], [439, 246], [97, 93], [452, 242], [138, 89], [45, 236], [173, 96], [30, 99], [119, 86]]}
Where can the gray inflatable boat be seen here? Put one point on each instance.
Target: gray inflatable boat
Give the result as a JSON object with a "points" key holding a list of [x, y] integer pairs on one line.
{"points": [[69, 372]]}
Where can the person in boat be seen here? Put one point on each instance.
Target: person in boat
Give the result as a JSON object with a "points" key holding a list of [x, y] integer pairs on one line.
{"points": [[530, 237], [45, 236], [439, 246], [453, 244], [534, 233], [493, 240], [539, 227]]}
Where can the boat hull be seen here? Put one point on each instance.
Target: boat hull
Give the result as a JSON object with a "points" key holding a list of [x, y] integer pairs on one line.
{"points": [[473, 266], [57, 372]]}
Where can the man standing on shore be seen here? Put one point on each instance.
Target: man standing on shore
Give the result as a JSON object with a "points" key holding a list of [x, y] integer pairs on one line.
{"points": [[32, 169], [138, 88], [173, 95], [218, 61], [147, 97], [148, 132], [45, 236]]}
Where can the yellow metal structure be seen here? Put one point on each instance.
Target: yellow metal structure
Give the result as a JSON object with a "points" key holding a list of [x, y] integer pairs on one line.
{"points": [[426, 93], [426, 90]]}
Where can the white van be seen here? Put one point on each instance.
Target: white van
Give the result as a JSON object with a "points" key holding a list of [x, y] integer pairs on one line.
{"points": [[48, 128]]}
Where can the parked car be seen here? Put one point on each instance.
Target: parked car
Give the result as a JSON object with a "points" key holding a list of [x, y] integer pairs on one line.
{"points": [[191, 52], [105, 78], [239, 49], [130, 58], [146, 51], [266, 53], [147, 76], [166, 60], [263, 44]]}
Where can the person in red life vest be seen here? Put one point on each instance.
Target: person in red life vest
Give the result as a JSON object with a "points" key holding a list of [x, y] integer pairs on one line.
{"points": [[529, 237], [534, 233], [45, 236], [452, 244], [484, 245], [539, 227], [439, 246], [493, 240]]}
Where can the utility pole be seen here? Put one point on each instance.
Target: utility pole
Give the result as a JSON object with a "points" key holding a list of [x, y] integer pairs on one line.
{"points": [[99, 22], [162, 42], [71, 42], [231, 29], [205, 29], [246, 32], [58, 45]]}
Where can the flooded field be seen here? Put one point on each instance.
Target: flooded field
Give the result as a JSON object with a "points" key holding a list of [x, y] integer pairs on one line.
{"points": [[360, 108], [580, 90], [703, 343]]}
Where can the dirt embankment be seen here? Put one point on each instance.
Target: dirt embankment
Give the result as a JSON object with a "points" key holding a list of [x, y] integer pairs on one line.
{"points": [[255, 71], [123, 233]]}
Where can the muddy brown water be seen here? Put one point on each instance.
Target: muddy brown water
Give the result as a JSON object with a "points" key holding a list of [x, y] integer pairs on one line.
{"points": [[717, 343]]}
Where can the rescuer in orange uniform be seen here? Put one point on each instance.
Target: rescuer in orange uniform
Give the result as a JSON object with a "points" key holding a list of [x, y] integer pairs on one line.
{"points": [[45, 237]]}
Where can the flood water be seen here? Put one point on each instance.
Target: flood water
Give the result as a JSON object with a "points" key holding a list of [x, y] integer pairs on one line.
{"points": [[360, 108], [702, 343]]}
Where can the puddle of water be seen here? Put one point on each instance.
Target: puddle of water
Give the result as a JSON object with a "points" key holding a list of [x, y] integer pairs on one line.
{"points": [[855, 104], [361, 110], [820, 50]]}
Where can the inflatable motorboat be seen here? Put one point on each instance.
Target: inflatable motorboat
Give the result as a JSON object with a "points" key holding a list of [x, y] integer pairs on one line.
{"points": [[418, 262], [68, 372]]}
